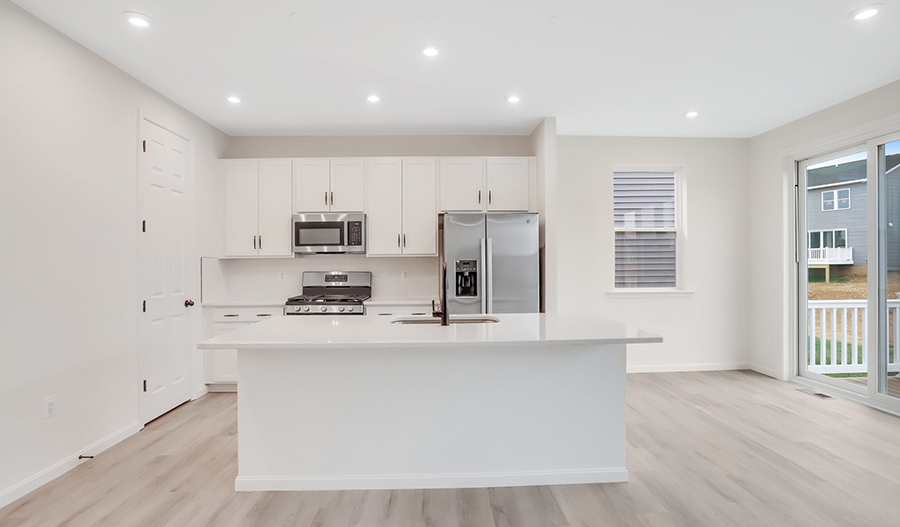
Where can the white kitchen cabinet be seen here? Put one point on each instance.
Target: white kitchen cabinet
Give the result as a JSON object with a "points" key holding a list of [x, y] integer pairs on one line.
{"points": [[329, 185], [311, 185], [221, 369], [384, 214], [462, 183], [241, 207], [275, 207], [347, 192], [507, 183], [402, 212], [420, 214], [257, 207]]}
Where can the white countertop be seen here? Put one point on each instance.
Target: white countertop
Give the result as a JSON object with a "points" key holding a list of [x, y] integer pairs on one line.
{"points": [[374, 303], [316, 332]]}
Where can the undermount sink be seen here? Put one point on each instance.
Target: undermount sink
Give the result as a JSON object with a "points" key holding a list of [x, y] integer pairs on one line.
{"points": [[454, 319]]}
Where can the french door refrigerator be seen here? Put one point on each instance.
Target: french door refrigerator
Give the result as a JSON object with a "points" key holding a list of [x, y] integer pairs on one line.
{"points": [[493, 262]]}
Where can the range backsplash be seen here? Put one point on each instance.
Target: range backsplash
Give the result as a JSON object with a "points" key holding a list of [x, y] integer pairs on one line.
{"points": [[276, 279]]}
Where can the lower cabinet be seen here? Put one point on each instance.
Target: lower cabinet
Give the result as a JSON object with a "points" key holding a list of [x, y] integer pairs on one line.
{"points": [[221, 365]]}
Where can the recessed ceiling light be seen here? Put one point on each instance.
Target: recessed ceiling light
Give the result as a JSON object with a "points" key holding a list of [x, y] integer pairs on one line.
{"points": [[234, 99], [430, 51], [512, 98], [866, 12], [691, 114], [373, 98], [137, 19]]}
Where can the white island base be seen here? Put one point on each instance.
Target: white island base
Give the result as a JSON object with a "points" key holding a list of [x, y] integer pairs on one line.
{"points": [[449, 413]]}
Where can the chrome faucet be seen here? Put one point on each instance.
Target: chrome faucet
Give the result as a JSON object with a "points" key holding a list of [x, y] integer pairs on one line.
{"points": [[443, 313]]}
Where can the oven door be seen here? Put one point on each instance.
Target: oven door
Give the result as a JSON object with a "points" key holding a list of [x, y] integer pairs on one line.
{"points": [[312, 237]]}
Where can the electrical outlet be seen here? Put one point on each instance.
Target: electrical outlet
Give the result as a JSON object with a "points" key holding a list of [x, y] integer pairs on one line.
{"points": [[49, 407], [282, 277], [404, 276]]}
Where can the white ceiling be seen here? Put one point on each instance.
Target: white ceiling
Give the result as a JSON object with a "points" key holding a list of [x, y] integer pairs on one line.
{"points": [[629, 68]]}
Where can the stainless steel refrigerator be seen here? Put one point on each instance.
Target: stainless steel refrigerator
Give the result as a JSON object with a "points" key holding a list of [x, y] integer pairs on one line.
{"points": [[493, 262]]}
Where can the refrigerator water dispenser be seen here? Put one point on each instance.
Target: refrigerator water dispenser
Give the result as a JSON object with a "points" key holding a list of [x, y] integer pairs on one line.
{"points": [[466, 278]]}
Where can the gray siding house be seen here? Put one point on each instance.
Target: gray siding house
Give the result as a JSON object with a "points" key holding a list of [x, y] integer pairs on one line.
{"points": [[836, 214]]}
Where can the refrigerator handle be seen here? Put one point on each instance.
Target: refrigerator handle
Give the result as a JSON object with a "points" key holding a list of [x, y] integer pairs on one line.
{"points": [[482, 278], [489, 277]]}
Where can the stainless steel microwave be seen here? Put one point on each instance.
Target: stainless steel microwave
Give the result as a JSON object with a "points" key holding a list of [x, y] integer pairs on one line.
{"points": [[329, 232]]}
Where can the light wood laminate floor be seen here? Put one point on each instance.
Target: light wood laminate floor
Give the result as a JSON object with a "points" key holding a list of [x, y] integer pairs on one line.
{"points": [[712, 448]]}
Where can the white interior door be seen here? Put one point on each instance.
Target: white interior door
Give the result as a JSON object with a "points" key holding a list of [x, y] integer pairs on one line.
{"points": [[164, 336]]}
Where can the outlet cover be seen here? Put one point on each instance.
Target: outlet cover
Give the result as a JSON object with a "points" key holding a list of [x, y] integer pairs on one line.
{"points": [[404, 275]]}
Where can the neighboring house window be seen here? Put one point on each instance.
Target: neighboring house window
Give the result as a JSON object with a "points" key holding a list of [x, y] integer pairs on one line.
{"points": [[831, 239], [836, 199], [647, 229]]}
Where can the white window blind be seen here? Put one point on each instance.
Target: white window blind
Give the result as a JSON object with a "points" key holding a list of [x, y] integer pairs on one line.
{"points": [[646, 229]]}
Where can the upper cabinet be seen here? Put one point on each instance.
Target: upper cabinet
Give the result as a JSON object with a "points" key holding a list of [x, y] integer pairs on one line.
{"points": [[462, 183], [402, 213], [323, 185], [486, 184], [508, 183], [257, 207]]}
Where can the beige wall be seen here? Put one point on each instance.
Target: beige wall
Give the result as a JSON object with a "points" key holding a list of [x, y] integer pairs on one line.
{"points": [[543, 139], [68, 229], [771, 217], [379, 145], [705, 331]]}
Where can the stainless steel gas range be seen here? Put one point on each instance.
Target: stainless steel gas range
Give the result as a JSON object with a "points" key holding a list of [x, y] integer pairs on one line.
{"points": [[332, 293]]}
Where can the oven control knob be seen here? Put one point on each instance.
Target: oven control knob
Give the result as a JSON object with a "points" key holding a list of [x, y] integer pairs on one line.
{"points": [[323, 309], [341, 309], [350, 309], [296, 308], [305, 308]]}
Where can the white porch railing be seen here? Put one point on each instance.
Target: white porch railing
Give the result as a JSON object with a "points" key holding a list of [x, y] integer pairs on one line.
{"points": [[840, 326], [829, 255]]}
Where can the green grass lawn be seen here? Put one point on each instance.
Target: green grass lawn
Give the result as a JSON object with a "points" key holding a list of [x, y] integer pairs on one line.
{"points": [[842, 355]]}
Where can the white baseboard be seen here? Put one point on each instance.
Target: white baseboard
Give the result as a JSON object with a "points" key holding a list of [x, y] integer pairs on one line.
{"points": [[222, 387], [767, 371], [58, 469], [200, 392], [661, 368], [431, 481]]}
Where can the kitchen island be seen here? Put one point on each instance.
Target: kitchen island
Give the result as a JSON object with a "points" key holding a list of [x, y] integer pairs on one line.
{"points": [[356, 402]]}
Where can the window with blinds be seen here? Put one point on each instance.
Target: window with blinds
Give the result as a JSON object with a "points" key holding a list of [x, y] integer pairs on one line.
{"points": [[646, 227]]}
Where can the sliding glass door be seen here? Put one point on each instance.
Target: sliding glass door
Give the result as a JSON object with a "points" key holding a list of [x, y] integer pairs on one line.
{"points": [[848, 205], [885, 364], [831, 198]]}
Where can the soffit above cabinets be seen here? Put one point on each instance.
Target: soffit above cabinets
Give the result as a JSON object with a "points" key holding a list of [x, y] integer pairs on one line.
{"points": [[602, 68]]}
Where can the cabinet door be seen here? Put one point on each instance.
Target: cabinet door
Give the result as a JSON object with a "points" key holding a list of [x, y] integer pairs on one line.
{"points": [[385, 214], [241, 207], [420, 213], [507, 183], [275, 207], [224, 361], [462, 184], [311, 185], [347, 192]]}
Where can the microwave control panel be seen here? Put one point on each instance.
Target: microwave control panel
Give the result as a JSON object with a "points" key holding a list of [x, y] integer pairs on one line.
{"points": [[355, 234]]}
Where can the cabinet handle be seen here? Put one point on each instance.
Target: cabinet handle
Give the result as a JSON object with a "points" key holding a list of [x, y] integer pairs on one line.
{"points": [[264, 314], [479, 197], [326, 197], [489, 202], [254, 242], [398, 240], [332, 198], [228, 316], [404, 240], [260, 242]]}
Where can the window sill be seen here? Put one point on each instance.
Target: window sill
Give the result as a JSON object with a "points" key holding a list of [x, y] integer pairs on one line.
{"points": [[650, 293]]}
